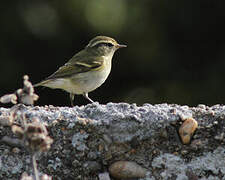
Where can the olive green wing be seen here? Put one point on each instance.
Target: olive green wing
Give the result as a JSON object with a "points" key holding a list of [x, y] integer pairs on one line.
{"points": [[79, 63]]}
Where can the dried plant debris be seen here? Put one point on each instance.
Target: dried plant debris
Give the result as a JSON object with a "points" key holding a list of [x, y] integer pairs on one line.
{"points": [[31, 131], [9, 98], [14, 116], [6, 120], [34, 136], [24, 96]]}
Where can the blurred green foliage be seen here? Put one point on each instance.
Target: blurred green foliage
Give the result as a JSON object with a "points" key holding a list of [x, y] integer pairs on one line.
{"points": [[175, 54]]}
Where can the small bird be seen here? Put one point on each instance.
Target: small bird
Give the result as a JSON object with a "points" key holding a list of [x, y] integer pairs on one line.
{"points": [[86, 70]]}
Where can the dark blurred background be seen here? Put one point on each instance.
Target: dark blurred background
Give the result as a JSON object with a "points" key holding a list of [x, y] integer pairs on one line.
{"points": [[175, 54]]}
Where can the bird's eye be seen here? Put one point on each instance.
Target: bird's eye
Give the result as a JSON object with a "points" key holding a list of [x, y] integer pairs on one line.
{"points": [[109, 44], [104, 44]]}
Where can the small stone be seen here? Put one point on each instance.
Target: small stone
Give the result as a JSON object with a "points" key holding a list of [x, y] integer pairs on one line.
{"points": [[91, 166], [16, 150], [219, 137], [211, 112], [92, 155], [107, 139], [183, 117], [191, 175], [163, 133], [197, 144], [187, 129], [209, 126], [46, 177], [104, 176], [25, 176], [184, 152], [76, 163], [201, 106], [127, 170], [173, 111]]}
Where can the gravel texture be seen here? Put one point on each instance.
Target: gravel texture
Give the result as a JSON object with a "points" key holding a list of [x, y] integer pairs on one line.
{"points": [[88, 139]]}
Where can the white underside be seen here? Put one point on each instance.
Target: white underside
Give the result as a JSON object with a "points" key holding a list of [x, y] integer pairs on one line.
{"points": [[83, 82]]}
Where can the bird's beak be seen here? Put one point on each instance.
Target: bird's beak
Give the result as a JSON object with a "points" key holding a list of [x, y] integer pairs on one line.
{"points": [[120, 46]]}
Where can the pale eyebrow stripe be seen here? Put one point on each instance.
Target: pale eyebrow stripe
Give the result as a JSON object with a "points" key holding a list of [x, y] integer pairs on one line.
{"points": [[98, 42]]}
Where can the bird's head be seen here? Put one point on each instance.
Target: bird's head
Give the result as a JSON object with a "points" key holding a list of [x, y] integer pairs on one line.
{"points": [[104, 45]]}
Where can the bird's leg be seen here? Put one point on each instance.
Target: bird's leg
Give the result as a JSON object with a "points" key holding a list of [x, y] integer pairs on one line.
{"points": [[86, 96], [71, 99]]}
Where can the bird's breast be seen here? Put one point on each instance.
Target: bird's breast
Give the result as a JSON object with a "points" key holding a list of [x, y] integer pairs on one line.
{"points": [[89, 81]]}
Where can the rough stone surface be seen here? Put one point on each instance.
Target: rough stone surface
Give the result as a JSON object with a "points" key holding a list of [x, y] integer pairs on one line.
{"points": [[88, 139]]}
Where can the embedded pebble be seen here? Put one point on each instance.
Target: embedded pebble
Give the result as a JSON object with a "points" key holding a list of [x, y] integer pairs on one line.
{"points": [[184, 152], [187, 129], [91, 166], [16, 150], [104, 176], [219, 137], [126, 170], [201, 106], [92, 155]]}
